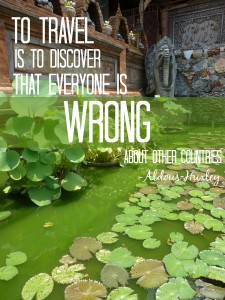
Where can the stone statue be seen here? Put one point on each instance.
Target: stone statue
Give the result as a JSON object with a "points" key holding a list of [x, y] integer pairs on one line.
{"points": [[161, 68]]}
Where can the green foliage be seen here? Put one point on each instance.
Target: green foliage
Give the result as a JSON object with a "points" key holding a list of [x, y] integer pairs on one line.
{"points": [[16, 258], [122, 293], [8, 272], [122, 257]]}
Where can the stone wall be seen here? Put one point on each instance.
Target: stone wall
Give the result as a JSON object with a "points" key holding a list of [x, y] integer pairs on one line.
{"points": [[201, 72]]}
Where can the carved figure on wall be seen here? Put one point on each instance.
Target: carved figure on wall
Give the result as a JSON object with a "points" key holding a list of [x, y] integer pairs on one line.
{"points": [[161, 68], [200, 35]]}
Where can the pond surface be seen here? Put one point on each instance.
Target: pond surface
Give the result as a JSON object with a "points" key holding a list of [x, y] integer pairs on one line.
{"points": [[85, 213]]}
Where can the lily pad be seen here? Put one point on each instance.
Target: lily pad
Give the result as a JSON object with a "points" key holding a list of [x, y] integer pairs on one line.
{"points": [[16, 258], [107, 237], [213, 292], [5, 214], [219, 244], [185, 216], [119, 227], [9, 160], [203, 185], [196, 268], [85, 289], [112, 276], [18, 173], [122, 293], [128, 219], [36, 171], [148, 219], [40, 285], [214, 224], [133, 210], [196, 193], [151, 273], [175, 289], [74, 155], [8, 272], [181, 250], [122, 257], [103, 256], [217, 273], [151, 243], [176, 237], [218, 212], [213, 258], [194, 227], [174, 266], [171, 216], [73, 182], [67, 274], [139, 232], [67, 260], [201, 218], [149, 190], [185, 205], [84, 247]]}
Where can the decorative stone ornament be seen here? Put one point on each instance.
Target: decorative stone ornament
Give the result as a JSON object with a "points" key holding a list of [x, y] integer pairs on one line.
{"points": [[70, 9], [107, 28]]}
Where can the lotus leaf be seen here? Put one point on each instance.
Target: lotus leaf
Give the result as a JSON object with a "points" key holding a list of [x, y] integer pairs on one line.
{"points": [[107, 237], [194, 227], [5, 214], [219, 244], [119, 227], [217, 273], [40, 285], [196, 193], [133, 199], [9, 160], [170, 194], [128, 219], [177, 189], [151, 243], [139, 232], [42, 196], [197, 201], [30, 155], [137, 195], [213, 292], [207, 206], [8, 272], [85, 289], [48, 157], [84, 247], [154, 197], [201, 218], [123, 204], [51, 183], [203, 185], [180, 183], [171, 216], [207, 198], [144, 203], [141, 185], [213, 258], [36, 171], [73, 182], [112, 276], [133, 210], [67, 274], [18, 173], [196, 269], [75, 155], [157, 204], [149, 190], [185, 216], [174, 266], [176, 237], [67, 260], [218, 212], [175, 167], [214, 224], [151, 273], [181, 250], [122, 257], [122, 293], [103, 256], [16, 258], [175, 289], [148, 219], [185, 205]]}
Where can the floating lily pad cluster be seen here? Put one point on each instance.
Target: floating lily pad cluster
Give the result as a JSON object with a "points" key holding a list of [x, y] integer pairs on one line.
{"points": [[9, 271], [42, 173]]}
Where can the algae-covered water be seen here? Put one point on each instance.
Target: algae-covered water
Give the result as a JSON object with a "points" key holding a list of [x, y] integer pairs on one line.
{"points": [[85, 213]]}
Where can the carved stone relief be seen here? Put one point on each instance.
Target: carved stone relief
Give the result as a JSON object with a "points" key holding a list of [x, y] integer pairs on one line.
{"points": [[198, 26]]}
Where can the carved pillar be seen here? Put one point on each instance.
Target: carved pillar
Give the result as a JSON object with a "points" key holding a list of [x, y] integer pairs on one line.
{"points": [[5, 84], [164, 22]]}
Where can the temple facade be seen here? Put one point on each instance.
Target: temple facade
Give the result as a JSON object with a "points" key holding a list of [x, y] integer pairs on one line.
{"points": [[196, 28]]}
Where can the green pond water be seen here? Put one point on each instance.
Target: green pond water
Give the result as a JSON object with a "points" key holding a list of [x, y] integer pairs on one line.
{"points": [[85, 213]]}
